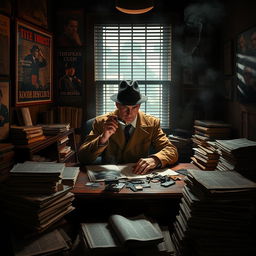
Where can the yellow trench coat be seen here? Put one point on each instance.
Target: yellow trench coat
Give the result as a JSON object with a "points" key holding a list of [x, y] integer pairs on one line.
{"points": [[146, 134]]}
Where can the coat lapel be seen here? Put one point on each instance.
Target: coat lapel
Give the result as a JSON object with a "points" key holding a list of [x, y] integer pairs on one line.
{"points": [[141, 133]]}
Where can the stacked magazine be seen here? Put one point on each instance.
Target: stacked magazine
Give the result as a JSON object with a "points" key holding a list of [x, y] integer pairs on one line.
{"points": [[34, 198], [205, 132], [216, 215], [237, 155], [24, 135], [54, 129]]}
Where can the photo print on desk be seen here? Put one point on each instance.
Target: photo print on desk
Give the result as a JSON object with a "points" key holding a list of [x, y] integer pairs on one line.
{"points": [[70, 75], [4, 110], [33, 65], [246, 66]]}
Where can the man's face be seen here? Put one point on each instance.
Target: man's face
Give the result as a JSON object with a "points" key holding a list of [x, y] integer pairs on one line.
{"points": [[72, 27], [127, 113]]}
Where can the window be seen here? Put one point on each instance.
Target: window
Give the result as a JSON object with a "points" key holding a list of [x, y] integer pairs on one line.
{"points": [[139, 52]]}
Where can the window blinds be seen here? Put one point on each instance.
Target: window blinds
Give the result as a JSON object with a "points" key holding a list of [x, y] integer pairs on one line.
{"points": [[134, 52]]}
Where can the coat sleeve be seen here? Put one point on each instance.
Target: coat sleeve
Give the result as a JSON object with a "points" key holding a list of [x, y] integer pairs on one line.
{"points": [[166, 152], [90, 149]]}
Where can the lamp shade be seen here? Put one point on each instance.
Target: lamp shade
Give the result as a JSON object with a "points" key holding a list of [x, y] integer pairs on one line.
{"points": [[134, 6]]}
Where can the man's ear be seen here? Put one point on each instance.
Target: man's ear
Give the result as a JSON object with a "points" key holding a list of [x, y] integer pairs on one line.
{"points": [[117, 105]]}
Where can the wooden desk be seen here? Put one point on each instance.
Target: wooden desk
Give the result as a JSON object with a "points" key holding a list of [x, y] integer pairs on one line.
{"points": [[158, 202], [156, 191]]}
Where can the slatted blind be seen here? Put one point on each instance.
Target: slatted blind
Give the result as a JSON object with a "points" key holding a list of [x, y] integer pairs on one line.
{"points": [[139, 52]]}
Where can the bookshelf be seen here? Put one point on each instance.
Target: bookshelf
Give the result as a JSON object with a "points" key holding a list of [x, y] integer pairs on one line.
{"points": [[60, 148]]}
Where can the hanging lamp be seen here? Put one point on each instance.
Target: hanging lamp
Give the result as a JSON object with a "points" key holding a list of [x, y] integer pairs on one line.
{"points": [[134, 6]]}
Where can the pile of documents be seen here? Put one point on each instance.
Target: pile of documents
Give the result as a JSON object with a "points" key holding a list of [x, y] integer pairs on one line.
{"points": [[216, 215], [35, 178], [34, 197], [23, 135], [53, 129], [205, 153], [237, 155]]}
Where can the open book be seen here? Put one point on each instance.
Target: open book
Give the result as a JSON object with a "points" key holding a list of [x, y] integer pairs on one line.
{"points": [[103, 172], [120, 233]]}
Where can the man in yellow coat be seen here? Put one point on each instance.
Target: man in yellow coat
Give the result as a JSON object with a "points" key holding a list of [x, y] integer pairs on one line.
{"points": [[127, 134]]}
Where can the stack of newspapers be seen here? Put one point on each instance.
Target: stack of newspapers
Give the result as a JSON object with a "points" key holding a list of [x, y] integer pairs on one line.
{"points": [[237, 155], [216, 215], [34, 197]]}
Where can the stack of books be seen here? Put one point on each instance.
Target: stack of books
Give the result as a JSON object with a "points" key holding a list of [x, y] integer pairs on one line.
{"points": [[69, 176], [6, 160], [34, 197], [216, 215], [35, 178], [54, 129], [23, 135], [126, 236], [52, 242], [37, 213], [237, 155], [211, 130], [205, 152], [205, 157]]}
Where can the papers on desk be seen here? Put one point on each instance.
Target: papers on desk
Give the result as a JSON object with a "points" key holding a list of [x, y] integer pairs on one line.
{"points": [[103, 172]]}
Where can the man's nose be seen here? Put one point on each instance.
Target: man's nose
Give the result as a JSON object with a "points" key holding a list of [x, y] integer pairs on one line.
{"points": [[128, 111]]}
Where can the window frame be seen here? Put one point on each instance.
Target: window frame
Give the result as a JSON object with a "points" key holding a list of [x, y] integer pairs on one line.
{"points": [[90, 88], [163, 63]]}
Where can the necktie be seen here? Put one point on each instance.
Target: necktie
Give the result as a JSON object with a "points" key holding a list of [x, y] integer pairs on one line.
{"points": [[127, 132]]}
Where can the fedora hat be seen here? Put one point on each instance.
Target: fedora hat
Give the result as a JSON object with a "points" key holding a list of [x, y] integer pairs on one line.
{"points": [[128, 94]]}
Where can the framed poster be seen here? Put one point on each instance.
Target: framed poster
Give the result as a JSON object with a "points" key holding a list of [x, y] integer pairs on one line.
{"points": [[4, 44], [33, 65], [246, 66], [4, 110], [69, 75], [34, 12], [70, 28]]}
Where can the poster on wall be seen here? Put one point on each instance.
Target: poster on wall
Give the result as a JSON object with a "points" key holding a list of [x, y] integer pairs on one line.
{"points": [[70, 28], [33, 65], [4, 45], [246, 66], [4, 110], [33, 11], [69, 75]]}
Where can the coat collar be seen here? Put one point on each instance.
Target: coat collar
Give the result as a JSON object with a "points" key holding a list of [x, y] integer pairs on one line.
{"points": [[141, 132]]}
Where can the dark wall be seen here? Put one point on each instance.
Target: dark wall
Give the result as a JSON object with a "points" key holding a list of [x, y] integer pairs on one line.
{"points": [[201, 31], [240, 17]]}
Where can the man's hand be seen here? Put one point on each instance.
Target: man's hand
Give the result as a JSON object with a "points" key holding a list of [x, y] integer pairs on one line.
{"points": [[144, 165], [110, 127]]}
